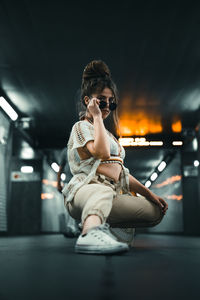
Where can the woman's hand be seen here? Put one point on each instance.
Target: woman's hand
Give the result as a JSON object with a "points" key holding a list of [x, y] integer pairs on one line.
{"points": [[93, 107], [160, 202], [137, 187]]}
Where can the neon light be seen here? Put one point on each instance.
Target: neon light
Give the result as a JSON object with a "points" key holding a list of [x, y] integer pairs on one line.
{"points": [[47, 196], [174, 197], [49, 182], [168, 181]]}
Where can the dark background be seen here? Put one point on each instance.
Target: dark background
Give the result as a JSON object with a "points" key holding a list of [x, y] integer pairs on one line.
{"points": [[152, 49]]}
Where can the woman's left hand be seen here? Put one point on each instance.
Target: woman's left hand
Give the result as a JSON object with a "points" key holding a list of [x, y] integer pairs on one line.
{"points": [[160, 202]]}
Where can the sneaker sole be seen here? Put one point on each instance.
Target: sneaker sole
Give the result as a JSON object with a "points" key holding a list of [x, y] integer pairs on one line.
{"points": [[98, 250]]}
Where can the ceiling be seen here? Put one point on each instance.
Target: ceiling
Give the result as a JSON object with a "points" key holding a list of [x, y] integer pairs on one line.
{"points": [[151, 47]]}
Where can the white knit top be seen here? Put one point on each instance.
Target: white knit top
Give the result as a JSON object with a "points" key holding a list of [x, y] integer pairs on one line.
{"points": [[83, 170]]}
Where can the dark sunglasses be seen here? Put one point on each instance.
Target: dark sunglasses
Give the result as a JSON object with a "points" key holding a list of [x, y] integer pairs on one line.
{"points": [[103, 104]]}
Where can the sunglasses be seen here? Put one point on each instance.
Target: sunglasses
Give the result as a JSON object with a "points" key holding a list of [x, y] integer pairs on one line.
{"points": [[103, 104]]}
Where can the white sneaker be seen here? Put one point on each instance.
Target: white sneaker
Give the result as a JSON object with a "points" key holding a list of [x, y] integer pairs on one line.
{"points": [[125, 235], [99, 240]]}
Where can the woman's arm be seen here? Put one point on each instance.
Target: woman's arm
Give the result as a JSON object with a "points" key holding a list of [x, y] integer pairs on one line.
{"points": [[137, 187], [100, 147]]}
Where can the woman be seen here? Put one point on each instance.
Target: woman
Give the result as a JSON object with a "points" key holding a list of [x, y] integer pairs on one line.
{"points": [[101, 192]]}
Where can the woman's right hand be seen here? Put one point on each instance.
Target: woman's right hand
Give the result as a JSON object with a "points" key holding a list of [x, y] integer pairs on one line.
{"points": [[93, 107]]}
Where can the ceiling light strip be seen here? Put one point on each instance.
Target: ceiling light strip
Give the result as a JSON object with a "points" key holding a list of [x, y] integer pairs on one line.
{"points": [[8, 109], [138, 142]]}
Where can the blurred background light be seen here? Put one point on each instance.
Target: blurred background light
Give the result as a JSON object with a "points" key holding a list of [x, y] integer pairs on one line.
{"points": [[177, 143], [55, 167], [156, 143], [139, 122], [161, 166], [63, 176], [154, 176], [8, 109], [27, 169], [148, 183], [177, 126]]}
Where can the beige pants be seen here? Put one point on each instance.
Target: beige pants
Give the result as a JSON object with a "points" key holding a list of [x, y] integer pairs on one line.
{"points": [[103, 197]]}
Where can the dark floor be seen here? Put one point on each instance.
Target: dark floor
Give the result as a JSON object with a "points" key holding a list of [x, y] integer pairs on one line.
{"points": [[46, 267]]}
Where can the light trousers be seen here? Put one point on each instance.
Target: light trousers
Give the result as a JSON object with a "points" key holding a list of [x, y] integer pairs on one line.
{"points": [[102, 197]]}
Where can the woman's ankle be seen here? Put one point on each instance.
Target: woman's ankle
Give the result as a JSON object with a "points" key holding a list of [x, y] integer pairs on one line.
{"points": [[90, 222]]}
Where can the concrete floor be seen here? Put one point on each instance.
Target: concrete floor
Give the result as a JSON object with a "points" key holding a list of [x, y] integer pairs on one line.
{"points": [[46, 267]]}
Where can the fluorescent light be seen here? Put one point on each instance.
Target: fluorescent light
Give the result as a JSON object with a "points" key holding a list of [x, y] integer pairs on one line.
{"points": [[143, 143], [177, 143], [138, 142], [161, 166], [27, 153], [8, 109], [195, 144], [156, 143], [148, 183], [63, 177], [142, 140], [27, 169], [196, 163], [55, 167], [154, 176], [126, 141]]}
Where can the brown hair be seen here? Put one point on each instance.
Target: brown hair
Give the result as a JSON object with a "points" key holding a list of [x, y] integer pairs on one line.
{"points": [[96, 77]]}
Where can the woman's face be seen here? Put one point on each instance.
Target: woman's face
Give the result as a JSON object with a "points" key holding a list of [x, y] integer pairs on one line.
{"points": [[107, 96]]}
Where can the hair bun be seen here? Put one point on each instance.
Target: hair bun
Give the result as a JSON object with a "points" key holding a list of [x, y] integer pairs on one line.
{"points": [[95, 69]]}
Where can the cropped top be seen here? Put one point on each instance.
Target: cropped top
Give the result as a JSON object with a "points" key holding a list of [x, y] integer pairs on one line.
{"points": [[83, 170]]}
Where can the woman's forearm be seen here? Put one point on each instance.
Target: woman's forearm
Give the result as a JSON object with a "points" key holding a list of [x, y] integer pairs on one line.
{"points": [[101, 140], [137, 187]]}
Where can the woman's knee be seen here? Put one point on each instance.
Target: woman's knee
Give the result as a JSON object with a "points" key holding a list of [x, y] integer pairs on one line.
{"points": [[157, 216]]}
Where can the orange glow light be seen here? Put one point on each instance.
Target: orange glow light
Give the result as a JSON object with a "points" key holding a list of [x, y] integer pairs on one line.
{"points": [[168, 181], [47, 196], [49, 182], [177, 126], [175, 197], [139, 123]]}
